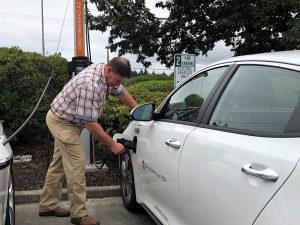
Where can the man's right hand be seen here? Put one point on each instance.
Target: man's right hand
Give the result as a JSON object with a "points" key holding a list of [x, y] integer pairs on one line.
{"points": [[117, 148], [98, 133]]}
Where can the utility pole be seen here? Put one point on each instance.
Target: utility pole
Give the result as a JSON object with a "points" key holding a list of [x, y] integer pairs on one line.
{"points": [[43, 38]]}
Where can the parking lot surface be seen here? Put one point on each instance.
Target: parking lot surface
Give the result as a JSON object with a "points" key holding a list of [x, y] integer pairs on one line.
{"points": [[109, 211]]}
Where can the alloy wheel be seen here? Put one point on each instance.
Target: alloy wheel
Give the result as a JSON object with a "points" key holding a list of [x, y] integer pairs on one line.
{"points": [[126, 178]]}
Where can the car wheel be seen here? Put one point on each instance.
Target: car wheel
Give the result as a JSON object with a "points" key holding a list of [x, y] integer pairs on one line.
{"points": [[10, 209], [127, 183]]}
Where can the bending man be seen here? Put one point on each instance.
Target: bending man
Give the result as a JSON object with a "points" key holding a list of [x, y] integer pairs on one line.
{"points": [[79, 105]]}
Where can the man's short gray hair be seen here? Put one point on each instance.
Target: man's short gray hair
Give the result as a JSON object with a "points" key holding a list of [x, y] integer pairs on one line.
{"points": [[121, 66]]}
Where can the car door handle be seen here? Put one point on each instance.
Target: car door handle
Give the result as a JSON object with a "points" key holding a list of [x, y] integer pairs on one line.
{"points": [[173, 143], [263, 173]]}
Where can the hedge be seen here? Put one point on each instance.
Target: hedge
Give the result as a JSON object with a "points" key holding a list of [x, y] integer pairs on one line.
{"points": [[116, 116], [23, 76]]}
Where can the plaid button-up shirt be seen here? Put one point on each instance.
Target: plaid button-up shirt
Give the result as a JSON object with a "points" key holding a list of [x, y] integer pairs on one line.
{"points": [[84, 97]]}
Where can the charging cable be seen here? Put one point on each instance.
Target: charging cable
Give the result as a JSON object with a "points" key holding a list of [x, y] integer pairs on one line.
{"points": [[32, 113], [127, 145]]}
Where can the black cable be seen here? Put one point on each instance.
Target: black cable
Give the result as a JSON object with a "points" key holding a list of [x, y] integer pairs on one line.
{"points": [[101, 162], [87, 33], [128, 145]]}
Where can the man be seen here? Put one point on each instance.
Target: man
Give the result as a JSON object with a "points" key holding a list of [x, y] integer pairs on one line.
{"points": [[79, 105]]}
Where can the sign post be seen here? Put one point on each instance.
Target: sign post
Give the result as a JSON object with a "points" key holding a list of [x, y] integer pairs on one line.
{"points": [[185, 65]]}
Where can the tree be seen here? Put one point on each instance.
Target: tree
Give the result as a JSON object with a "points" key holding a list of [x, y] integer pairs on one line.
{"points": [[134, 73], [255, 26], [133, 29], [194, 26], [141, 72]]}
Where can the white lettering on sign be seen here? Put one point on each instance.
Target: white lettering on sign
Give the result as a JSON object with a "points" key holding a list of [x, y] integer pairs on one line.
{"points": [[187, 63], [184, 66]]}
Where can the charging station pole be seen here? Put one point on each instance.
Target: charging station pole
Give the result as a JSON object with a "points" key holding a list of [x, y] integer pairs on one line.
{"points": [[79, 43], [79, 63]]}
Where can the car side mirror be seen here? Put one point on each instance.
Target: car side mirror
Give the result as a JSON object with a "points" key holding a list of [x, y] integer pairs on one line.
{"points": [[143, 112]]}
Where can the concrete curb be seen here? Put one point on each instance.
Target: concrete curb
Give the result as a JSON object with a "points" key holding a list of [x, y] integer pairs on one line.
{"points": [[22, 197]]}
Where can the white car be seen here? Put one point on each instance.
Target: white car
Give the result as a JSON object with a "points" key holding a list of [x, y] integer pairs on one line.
{"points": [[7, 203], [222, 149]]}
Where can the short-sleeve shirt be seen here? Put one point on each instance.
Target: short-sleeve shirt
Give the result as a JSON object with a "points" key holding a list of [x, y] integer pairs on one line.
{"points": [[84, 97]]}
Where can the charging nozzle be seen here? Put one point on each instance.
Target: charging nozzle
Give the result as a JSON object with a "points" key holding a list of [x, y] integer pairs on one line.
{"points": [[128, 144]]}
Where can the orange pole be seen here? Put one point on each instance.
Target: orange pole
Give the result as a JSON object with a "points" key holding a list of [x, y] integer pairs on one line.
{"points": [[79, 28]]}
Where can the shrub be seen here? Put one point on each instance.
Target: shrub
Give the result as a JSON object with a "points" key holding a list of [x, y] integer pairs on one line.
{"points": [[23, 76], [144, 78], [116, 116]]}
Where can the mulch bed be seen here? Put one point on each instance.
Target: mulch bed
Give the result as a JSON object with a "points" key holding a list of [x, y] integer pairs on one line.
{"points": [[31, 175]]}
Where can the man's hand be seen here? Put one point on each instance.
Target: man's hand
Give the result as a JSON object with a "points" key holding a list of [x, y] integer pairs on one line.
{"points": [[117, 148], [98, 133]]}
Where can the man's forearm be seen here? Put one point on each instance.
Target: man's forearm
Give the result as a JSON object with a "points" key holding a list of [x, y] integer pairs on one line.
{"points": [[128, 100], [98, 133]]}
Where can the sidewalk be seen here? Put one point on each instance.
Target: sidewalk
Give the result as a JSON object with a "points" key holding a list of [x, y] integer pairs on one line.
{"points": [[104, 204], [108, 210]]}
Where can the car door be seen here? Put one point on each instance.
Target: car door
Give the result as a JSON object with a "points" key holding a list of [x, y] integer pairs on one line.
{"points": [[244, 150], [159, 144]]}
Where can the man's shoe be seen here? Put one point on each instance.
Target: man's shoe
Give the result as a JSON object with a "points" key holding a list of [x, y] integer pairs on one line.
{"points": [[85, 220], [58, 212]]}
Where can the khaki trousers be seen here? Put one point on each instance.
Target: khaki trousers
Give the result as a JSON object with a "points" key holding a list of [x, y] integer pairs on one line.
{"points": [[68, 161]]}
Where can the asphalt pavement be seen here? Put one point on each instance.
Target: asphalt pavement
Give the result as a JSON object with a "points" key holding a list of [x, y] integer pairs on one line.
{"points": [[108, 210]]}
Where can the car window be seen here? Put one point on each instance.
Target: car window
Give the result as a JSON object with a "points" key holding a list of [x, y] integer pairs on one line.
{"points": [[185, 103], [259, 98]]}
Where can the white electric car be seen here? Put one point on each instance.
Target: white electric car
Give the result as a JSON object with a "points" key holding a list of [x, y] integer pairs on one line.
{"points": [[222, 149], [7, 203]]}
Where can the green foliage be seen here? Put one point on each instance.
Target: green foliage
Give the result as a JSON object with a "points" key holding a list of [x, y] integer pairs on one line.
{"points": [[148, 88], [144, 78], [130, 20], [193, 100], [194, 26], [23, 77], [257, 26]]}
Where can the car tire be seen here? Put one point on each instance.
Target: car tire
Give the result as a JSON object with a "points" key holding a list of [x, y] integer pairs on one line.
{"points": [[10, 209], [127, 183]]}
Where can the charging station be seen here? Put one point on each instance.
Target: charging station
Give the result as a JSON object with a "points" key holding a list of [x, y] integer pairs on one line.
{"points": [[79, 62]]}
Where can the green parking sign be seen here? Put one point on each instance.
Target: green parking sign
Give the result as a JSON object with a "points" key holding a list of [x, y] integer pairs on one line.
{"points": [[185, 65], [177, 60]]}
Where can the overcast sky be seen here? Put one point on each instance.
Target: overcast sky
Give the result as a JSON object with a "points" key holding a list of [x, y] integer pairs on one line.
{"points": [[21, 25]]}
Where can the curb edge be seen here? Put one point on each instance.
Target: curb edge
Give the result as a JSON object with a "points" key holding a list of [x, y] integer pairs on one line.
{"points": [[23, 197]]}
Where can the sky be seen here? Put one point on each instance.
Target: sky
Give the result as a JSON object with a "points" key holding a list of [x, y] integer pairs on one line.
{"points": [[21, 25]]}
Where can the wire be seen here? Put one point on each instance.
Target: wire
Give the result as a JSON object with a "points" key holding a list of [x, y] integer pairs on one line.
{"points": [[88, 46], [62, 27], [99, 164], [32, 113], [34, 18]]}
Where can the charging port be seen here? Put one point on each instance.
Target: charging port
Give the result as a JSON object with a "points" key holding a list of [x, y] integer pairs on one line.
{"points": [[128, 144]]}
